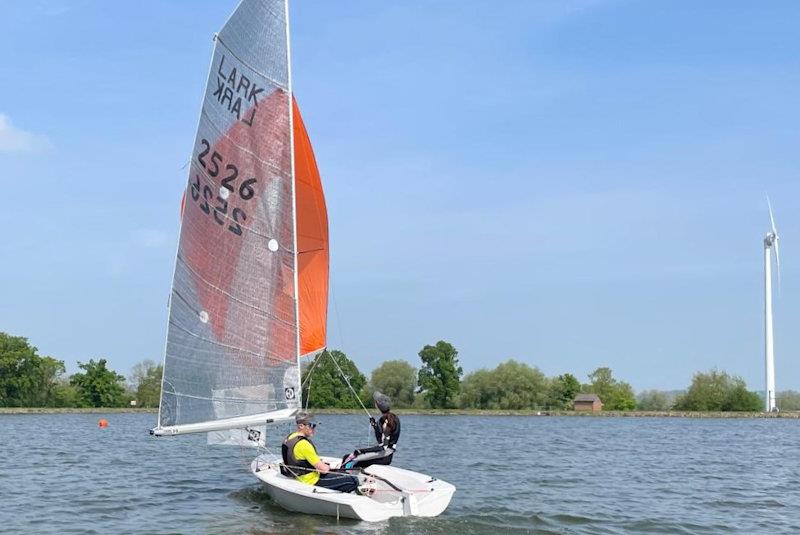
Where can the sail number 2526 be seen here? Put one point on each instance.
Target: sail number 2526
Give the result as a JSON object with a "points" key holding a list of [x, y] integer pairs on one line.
{"points": [[217, 205]]}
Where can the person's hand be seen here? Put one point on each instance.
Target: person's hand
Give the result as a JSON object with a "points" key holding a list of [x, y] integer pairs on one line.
{"points": [[372, 422]]}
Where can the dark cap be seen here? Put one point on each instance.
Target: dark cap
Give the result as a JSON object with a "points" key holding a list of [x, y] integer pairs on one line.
{"points": [[382, 401], [303, 417]]}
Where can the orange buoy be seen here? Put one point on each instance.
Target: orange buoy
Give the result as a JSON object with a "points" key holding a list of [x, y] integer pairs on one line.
{"points": [[103, 423]]}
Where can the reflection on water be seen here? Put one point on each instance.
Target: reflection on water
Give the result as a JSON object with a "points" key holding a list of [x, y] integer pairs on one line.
{"points": [[60, 473]]}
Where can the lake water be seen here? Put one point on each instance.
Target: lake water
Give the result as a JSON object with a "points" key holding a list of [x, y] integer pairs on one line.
{"points": [[61, 473]]}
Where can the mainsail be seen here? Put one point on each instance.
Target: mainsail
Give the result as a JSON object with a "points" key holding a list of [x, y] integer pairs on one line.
{"points": [[249, 293]]}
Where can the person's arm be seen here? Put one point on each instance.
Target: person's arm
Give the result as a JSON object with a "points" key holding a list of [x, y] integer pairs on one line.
{"points": [[307, 452], [377, 428], [322, 467]]}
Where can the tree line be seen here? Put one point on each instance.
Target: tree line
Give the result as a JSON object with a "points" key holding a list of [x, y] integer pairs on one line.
{"points": [[440, 383], [28, 379]]}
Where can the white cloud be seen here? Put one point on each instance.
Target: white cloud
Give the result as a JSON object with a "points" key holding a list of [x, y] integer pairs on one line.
{"points": [[15, 140]]}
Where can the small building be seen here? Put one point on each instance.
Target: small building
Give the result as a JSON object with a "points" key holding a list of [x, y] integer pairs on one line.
{"points": [[588, 402]]}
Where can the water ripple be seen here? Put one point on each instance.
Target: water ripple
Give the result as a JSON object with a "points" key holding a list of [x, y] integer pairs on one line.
{"points": [[584, 476]]}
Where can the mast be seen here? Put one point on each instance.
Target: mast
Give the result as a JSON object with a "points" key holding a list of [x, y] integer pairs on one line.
{"points": [[769, 350], [294, 203]]}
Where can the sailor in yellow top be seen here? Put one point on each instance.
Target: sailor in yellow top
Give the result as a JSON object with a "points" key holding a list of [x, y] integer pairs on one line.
{"points": [[301, 461]]}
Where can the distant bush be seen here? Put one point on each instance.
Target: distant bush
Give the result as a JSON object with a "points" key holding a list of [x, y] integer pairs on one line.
{"points": [[654, 400], [511, 385], [789, 400], [397, 379], [718, 391], [146, 383]]}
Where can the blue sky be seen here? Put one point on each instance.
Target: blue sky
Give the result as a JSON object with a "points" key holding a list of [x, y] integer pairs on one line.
{"points": [[569, 183]]}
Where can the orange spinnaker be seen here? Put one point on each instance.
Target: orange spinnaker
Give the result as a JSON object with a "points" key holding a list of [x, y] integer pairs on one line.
{"points": [[312, 241]]}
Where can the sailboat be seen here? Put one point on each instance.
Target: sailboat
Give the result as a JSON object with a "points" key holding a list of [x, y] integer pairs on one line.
{"points": [[250, 288]]}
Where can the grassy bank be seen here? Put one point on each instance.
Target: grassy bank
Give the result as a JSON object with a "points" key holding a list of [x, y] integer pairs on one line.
{"points": [[449, 412]]}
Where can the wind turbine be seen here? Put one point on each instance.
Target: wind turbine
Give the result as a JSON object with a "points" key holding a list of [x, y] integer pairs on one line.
{"points": [[770, 245]]}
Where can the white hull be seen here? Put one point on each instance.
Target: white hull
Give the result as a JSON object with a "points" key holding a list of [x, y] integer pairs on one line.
{"points": [[419, 494]]}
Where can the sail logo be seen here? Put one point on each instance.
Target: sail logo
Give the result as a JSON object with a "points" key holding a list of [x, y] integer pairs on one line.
{"points": [[289, 393], [253, 435], [235, 90]]}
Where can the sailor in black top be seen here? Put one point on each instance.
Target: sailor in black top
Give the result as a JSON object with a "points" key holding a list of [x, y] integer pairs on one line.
{"points": [[387, 432]]}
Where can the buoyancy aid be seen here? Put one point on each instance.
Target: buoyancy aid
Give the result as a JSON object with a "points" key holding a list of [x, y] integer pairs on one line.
{"points": [[293, 467], [388, 440]]}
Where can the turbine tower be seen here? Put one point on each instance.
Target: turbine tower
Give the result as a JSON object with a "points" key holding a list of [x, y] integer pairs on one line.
{"points": [[770, 245]]}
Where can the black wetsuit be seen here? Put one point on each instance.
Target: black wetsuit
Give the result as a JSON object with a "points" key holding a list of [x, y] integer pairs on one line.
{"points": [[387, 433]]}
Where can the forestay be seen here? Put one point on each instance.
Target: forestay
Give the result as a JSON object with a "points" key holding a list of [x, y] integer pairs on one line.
{"points": [[233, 339]]}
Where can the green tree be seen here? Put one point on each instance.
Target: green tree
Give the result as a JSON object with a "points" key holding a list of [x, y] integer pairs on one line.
{"points": [[420, 401], [615, 395], [326, 388], [44, 381], [66, 394], [511, 385], [146, 382], [717, 391], [397, 379], [562, 391], [477, 390], [26, 378], [739, 398], [440, 374], [653, 400], [789, 400], [99, 386]]}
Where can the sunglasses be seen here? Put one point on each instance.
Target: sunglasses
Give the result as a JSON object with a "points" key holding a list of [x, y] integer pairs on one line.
{"points": [[312, 425]]}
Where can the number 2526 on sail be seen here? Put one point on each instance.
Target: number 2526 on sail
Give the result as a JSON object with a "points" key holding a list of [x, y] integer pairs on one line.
{"points": [[212, 164]]}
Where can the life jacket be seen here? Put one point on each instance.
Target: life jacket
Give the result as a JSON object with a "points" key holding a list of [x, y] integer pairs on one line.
{"points": [[293, 467], [390, 440]]}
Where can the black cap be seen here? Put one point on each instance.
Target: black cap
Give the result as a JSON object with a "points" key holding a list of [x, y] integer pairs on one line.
{"points": [[303, 417], [382, 401]]}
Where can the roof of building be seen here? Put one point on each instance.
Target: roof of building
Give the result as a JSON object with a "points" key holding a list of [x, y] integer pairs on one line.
{"points": [[587, 397]]}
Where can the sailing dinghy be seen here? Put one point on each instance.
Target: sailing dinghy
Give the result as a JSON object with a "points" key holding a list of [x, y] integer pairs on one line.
{"points": [[250, 288]]}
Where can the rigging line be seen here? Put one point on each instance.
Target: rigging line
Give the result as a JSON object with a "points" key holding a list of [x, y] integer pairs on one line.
{"points": [[308, 378], [342, 345], [308, 392], [346, 380]]}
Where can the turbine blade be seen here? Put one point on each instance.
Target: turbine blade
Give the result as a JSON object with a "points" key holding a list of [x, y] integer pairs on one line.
{"points": [[771, 219]]}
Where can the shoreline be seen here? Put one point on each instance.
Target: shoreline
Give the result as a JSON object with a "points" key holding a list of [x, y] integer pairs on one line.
{"points": [[443, 412], [73, 410], [575, 414]]}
